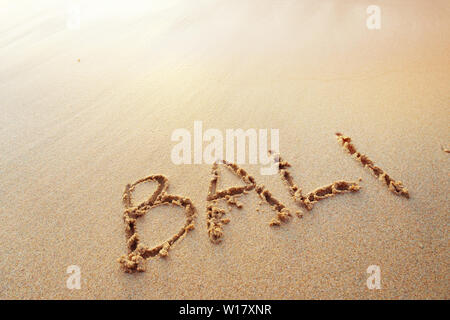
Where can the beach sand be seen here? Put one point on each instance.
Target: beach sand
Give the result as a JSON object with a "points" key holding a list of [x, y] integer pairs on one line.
{"points": [[85, 112]]}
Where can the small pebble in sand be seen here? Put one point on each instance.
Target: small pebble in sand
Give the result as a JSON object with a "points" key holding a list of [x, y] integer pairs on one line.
{"points": [[444, 149]]}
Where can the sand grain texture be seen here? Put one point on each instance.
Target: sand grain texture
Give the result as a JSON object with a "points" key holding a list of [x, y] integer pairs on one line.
{"points": [[86, 112]]}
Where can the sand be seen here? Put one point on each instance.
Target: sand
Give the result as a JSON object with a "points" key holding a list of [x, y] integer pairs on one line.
{"points": [[86, 112]]}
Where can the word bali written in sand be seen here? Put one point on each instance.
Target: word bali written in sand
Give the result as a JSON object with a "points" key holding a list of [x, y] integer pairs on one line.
{"points": [[138, 253]]}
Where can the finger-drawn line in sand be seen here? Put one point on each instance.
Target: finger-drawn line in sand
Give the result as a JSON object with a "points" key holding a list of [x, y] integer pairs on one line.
{"points": [[308, 201], [283, 213], [138, 252], [215, 215], [394, 186]]}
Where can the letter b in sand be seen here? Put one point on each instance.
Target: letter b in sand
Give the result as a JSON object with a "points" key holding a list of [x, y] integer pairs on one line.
{"points": [[74, 280], [374, 280], [373, 21]]}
